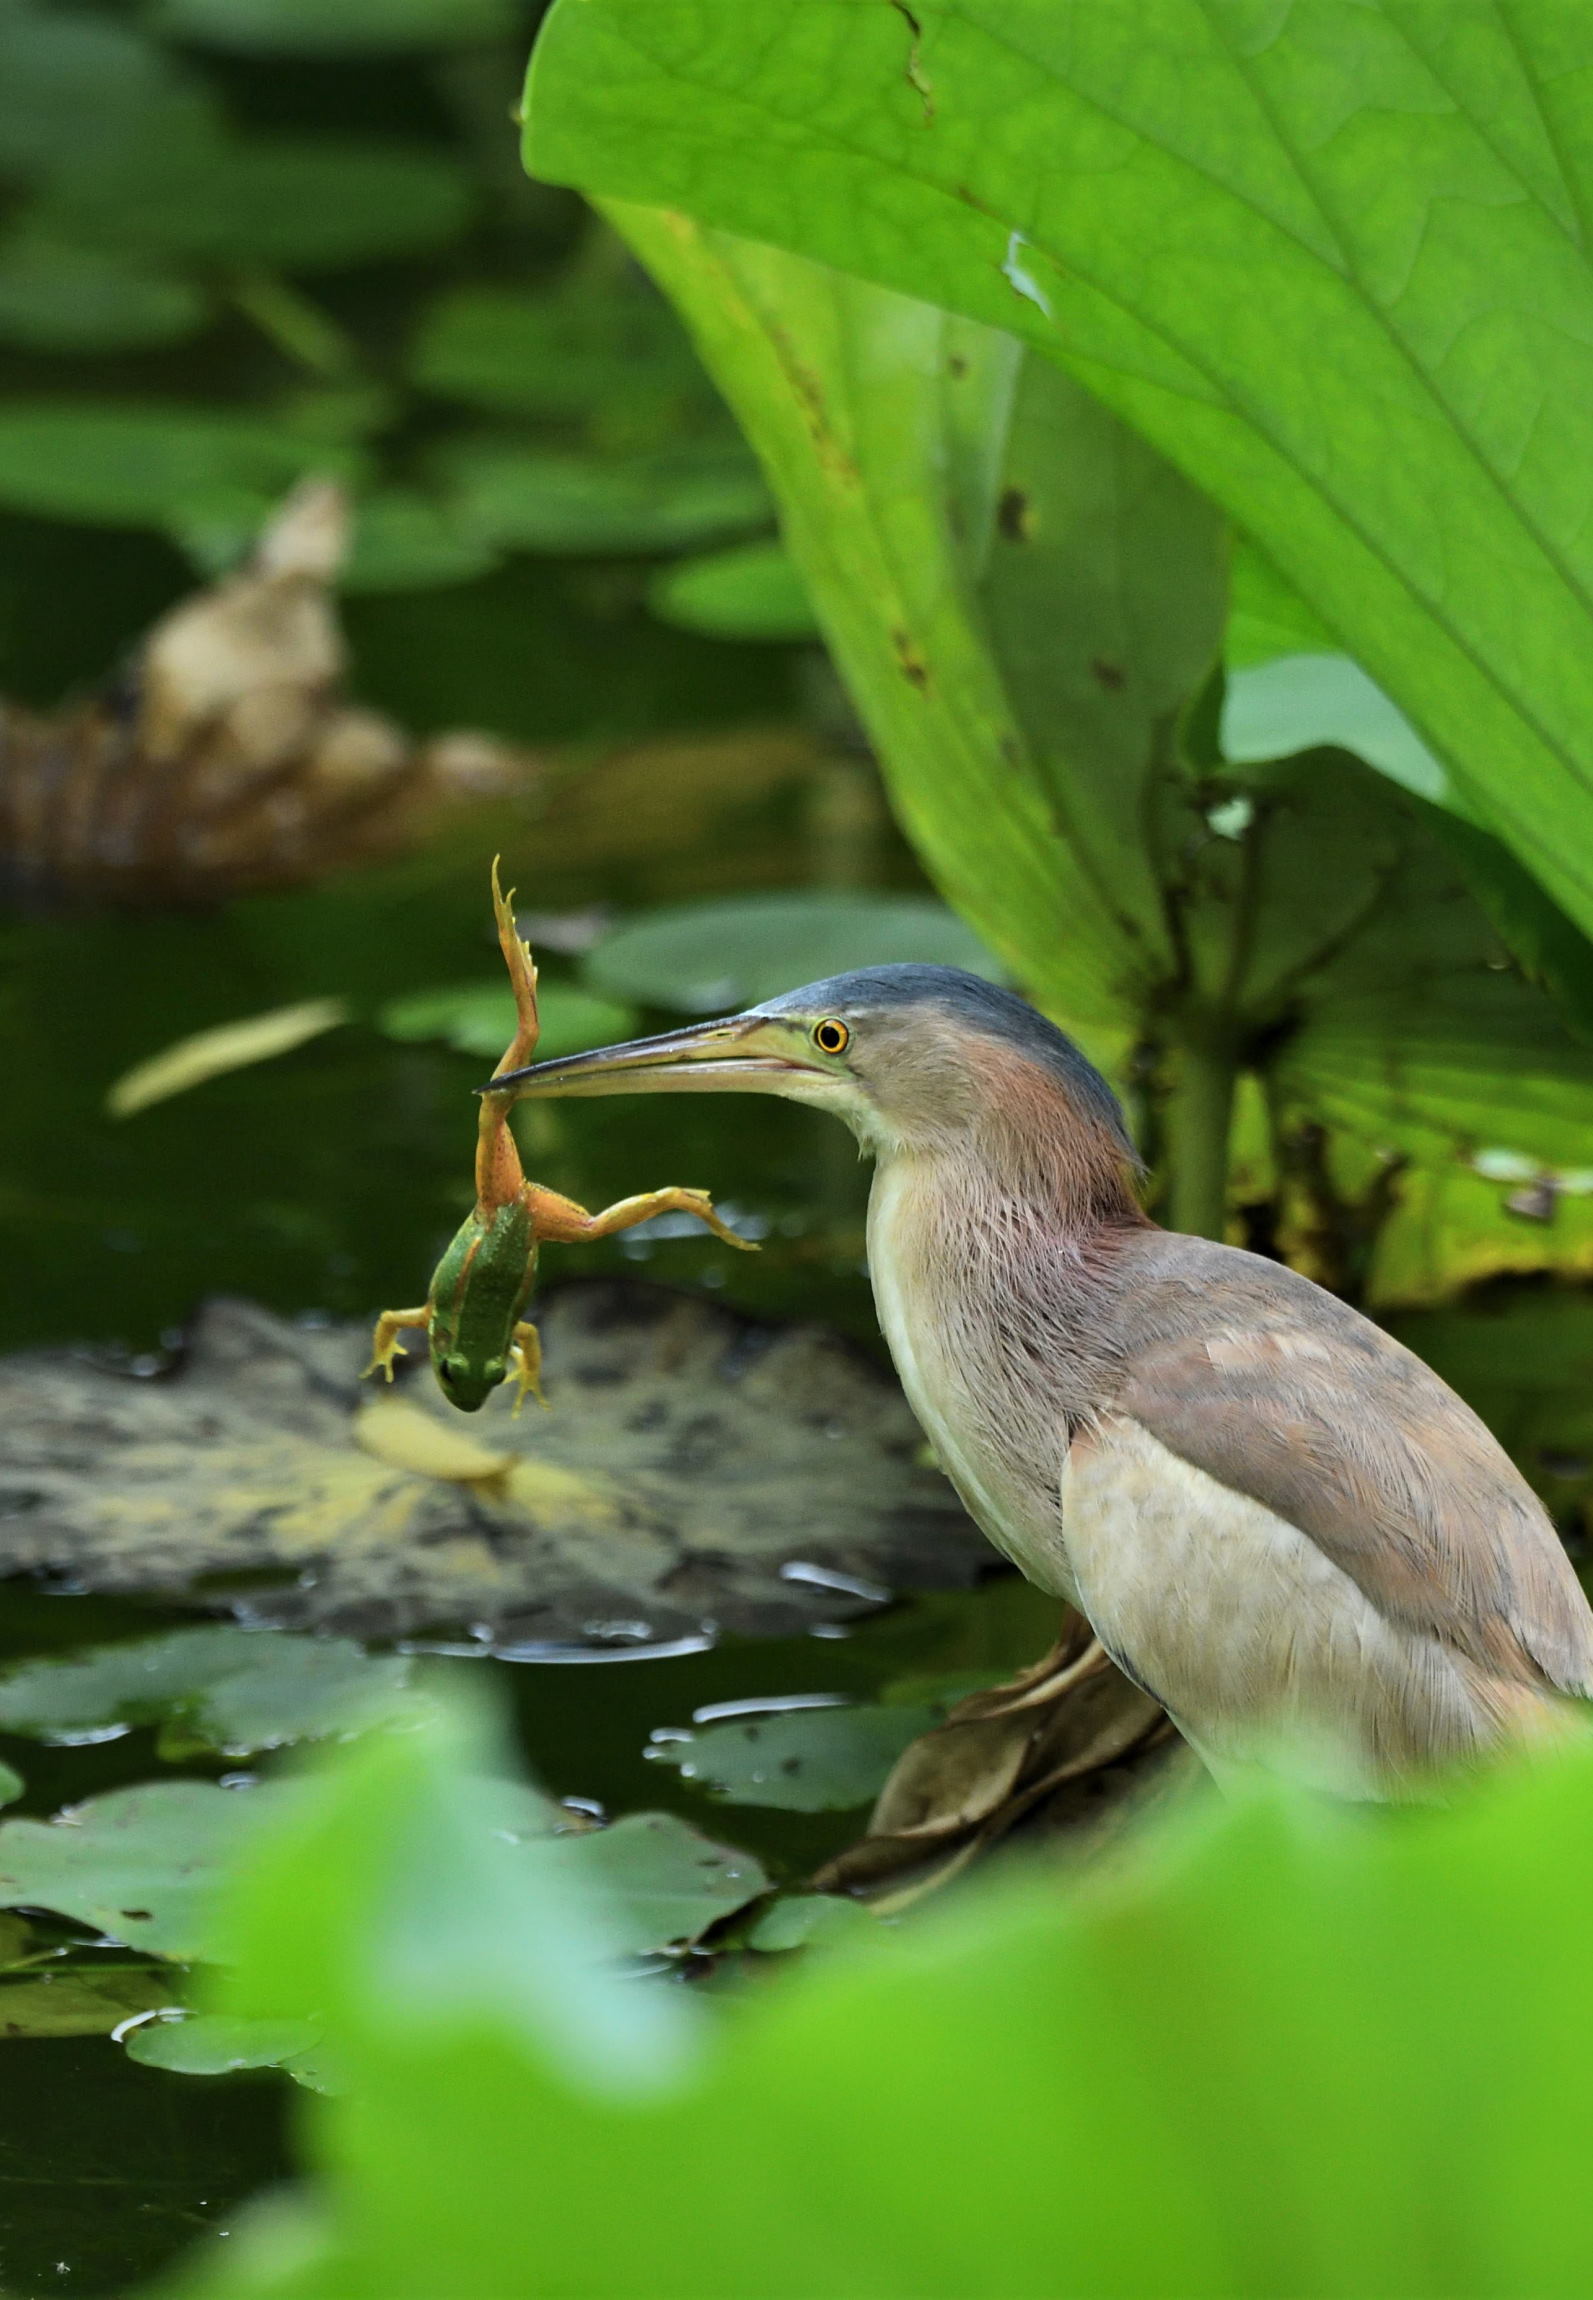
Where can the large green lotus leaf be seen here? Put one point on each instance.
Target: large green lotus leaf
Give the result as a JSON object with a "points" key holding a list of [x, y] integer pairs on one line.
{"points": [[1266, 617], [220, 1687], [298, 203], [801, 1760], [57, 297], [1246, 2059], [1330, 260], [749, 591], [539, 499], [707, 956], [335, 27], [145, 465], [957, 506], [1020, 596], [575, 353]]}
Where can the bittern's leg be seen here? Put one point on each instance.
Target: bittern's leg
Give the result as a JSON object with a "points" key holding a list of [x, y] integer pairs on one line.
{"points": [[565, 1223], [385, 1345], [525, 1364]]}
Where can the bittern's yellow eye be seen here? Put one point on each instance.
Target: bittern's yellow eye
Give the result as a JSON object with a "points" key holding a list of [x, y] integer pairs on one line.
{"points": [[830, 1036]]}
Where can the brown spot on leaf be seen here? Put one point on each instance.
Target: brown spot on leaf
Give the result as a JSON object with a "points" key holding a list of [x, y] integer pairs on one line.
{"points": [[1111, 675], [956, 365], [137, 1916], [1012, 515], [916, 78], [914, 669]]}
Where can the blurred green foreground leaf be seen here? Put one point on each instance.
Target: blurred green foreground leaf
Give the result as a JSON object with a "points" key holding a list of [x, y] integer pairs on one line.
{"points": [[1272, 2049]]}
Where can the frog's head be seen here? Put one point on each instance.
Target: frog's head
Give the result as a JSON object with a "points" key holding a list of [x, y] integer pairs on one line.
{"points": [[468, 1382], [910, 1057]]}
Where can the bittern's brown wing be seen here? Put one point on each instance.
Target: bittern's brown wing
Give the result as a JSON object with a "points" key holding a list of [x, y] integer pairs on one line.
{"points": [[1287, 1396]]}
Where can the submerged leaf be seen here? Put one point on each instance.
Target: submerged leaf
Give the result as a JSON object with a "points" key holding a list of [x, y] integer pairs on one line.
{"points": [[690, 1455], [703, 957], [81, 1999], [12, 1785], [212, 1053]]}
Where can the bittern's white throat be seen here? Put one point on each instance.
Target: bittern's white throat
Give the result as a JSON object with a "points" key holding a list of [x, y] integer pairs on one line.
{"points": [[1279, 1521]]}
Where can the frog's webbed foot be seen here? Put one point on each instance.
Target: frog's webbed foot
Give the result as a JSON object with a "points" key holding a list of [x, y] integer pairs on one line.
{"points": [[521, 1049], [525, 1364], [385, 1345], [567, 1224]]}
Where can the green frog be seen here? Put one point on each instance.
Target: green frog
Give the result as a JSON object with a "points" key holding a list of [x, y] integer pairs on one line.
{"points": [[474, 1313]]}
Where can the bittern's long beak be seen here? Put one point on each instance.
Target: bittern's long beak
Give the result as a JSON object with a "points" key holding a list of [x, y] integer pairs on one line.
{"points": [[748, 1052]]}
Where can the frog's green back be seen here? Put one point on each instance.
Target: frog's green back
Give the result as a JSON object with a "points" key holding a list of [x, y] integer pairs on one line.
{"points": [[478, 1296]]}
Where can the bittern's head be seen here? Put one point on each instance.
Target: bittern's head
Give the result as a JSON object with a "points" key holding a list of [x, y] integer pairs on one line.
{"points": [[910, 1057]]}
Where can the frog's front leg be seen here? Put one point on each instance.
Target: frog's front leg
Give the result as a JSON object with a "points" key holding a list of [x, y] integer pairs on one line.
{"points": [[385, 1345], [564, 1223], [525, 1364]]}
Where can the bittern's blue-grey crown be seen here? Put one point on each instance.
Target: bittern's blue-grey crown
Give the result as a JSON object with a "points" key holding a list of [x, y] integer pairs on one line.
{"points": [[968, 999]]}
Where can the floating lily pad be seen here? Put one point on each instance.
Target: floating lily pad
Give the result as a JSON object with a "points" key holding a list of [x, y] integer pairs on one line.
{"points": [[143, 1864], [139, 1864], [706, 956], [218, 2044], [690, 1457], [802, 1760], [662, 1883], [479, 1018], [213, 1688]]}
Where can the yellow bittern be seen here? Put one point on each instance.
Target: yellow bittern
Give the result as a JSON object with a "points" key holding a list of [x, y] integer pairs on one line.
{"points": [[1280, 1522]]}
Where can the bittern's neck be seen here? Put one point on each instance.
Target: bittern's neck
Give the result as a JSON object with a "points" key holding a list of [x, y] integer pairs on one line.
{"points": [[1031, 1146]]}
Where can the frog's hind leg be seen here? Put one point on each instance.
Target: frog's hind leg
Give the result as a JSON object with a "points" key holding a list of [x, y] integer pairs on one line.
{"points": [[566, 1224], [525, 1364], [522, 980], [385, 1345]]}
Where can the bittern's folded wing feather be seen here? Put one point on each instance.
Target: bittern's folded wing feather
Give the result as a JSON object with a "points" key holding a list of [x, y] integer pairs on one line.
{"points": [[1286, 1395]]}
